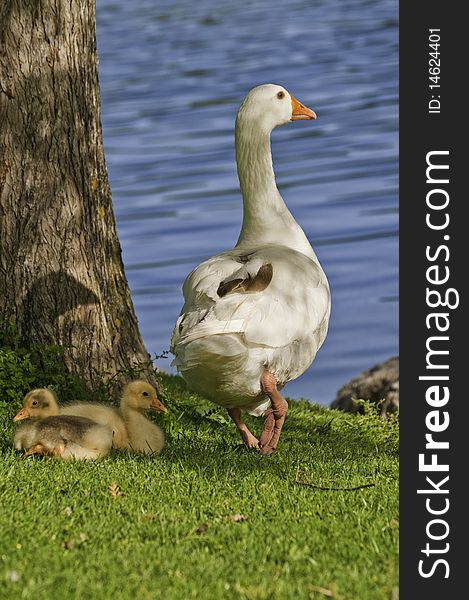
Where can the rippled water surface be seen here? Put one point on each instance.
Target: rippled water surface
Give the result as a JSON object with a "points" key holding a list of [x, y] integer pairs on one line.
{"points": [[173, 74]]}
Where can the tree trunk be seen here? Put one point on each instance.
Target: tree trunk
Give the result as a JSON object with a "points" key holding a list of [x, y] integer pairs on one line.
{"points": [[62, 279]]}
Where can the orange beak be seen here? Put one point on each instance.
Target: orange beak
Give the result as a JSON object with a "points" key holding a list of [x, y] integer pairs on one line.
{"points": [[23, 414], [300, 112], [158, 406]]}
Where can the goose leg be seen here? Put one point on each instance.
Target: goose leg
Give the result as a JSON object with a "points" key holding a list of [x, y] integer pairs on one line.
{"points": [[36, 449], [275, 417], [58, 450], [249, 440], [39, 448]]}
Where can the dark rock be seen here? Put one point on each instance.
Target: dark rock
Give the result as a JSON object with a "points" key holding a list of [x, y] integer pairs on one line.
{"points": [[380, 385]]}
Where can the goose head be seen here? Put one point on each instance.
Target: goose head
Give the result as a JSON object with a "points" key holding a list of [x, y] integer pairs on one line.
{"points": [[268, 106], [38, 404], [141, 396]]}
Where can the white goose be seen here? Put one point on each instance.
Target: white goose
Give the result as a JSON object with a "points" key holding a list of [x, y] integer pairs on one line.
{"points": [[254, 317]]}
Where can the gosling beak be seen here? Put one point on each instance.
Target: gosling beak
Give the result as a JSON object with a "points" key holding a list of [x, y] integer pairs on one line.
{"points": [[23, 414], [300, 112], [158, 406]]}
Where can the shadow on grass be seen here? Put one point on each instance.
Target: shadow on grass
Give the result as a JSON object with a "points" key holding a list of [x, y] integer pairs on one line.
{"points": [[309, 436]]}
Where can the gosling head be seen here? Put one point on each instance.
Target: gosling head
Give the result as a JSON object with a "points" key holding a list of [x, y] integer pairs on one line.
{"points": [[142, 396], [268, 106], [38, 404]]}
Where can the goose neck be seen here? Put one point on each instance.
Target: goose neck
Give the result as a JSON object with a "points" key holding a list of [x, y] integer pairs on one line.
{"points": [[255, 168], [128, 412], [266, 218]]}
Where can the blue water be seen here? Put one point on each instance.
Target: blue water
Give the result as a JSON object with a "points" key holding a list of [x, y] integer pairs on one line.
{"points": [[173, 74]]}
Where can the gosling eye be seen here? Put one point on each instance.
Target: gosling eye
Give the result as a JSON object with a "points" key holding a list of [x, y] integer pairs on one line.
{"points": [[34, 403], [145, 394], [281, 95]]}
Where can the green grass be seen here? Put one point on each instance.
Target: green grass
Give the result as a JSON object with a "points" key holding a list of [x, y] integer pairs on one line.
{"points": [[173, 533]]}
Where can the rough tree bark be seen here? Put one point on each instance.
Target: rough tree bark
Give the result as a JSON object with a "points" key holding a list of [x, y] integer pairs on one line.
{"points": [[62, 278]]}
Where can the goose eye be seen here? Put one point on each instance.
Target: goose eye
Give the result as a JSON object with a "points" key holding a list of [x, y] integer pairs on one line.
{"points": [[144, 393], [34, 403], [281, 95]]}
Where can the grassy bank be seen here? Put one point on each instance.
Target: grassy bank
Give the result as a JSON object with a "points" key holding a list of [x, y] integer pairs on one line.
{"points": [[207, 519]]}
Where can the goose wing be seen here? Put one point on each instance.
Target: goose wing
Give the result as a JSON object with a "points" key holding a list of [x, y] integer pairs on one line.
{"points": [[273, 296]]}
